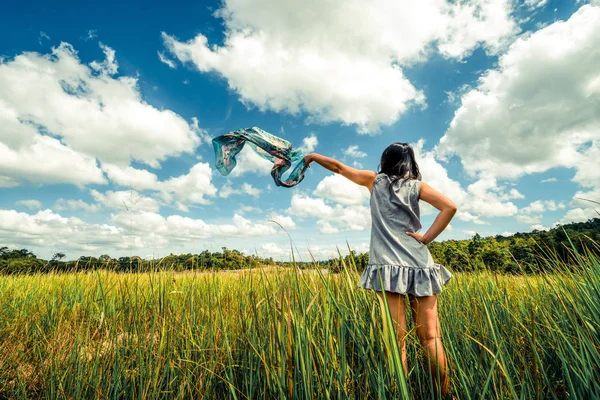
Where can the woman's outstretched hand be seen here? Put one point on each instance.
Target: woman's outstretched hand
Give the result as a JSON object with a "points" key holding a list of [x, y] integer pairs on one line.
{"points": [[308, 159], [418, 236]]}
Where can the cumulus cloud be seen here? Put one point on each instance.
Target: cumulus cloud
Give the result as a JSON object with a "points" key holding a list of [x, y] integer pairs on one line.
{"points": [[343, 63], [41, 159], [48, 230], [586, 205], [245, 189], [284, 220], [249, 161], [179, 228], [60, 116], [538, 109], [143, 231], [74, 205], [330, 219], [109, 66], [539, 206], [273, 250], [482, 199], [353, 151], [125, 200], [534, 4], [193, 187], [309, 144], [248, 209], [128, 176], [341, 190], [31, 204]]}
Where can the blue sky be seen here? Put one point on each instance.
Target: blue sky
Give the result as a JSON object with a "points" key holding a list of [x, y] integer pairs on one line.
{"points": [[107, 111]]}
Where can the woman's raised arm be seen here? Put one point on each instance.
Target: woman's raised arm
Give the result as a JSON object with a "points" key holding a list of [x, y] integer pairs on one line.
{"points": [[360, 177]]}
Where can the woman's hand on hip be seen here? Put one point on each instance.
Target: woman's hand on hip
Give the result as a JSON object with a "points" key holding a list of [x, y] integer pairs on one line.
{"points": [[418, 237]]}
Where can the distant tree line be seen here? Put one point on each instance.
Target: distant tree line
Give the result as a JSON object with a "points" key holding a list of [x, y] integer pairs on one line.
{"points": [[25, 261], [519, 253]]}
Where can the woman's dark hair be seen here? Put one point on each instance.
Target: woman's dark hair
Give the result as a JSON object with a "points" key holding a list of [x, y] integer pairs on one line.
{"points": [[398, 162]]}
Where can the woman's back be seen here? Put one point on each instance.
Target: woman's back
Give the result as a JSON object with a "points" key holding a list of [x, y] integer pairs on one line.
{"points": [[395, 211]]}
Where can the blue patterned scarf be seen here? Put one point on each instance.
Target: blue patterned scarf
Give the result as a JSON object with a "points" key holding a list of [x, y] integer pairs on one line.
{"points": [[275, 149]]}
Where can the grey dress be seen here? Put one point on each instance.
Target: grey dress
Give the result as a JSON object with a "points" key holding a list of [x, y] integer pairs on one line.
{"points": [[403, 263]]}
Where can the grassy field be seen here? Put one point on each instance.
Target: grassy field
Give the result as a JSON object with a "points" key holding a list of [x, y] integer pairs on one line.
{"points": [[280, 334]]}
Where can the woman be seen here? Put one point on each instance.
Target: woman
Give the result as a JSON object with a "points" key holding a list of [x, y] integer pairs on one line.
{"points": [[397, 254]]}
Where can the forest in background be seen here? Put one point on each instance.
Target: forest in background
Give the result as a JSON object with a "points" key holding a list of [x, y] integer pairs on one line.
{"points": [[519, 253]]}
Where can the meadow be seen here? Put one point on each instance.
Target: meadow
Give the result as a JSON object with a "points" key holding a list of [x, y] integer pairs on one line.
{"points": [[279, 333]]}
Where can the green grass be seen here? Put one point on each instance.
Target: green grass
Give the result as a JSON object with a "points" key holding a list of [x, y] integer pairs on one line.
{"points": [[289, 335]]}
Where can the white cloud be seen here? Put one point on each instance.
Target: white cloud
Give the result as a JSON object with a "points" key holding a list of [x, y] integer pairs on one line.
{"points": [[192, 187], [481, 199], [273, 250], [529, 219], [305, 206], [42, 159], [109, 66], [330, 219], [91, 34], [248, 209], [283, 220], [246, 188], [128, 176], [540, 206], [227, 190], [587, 206], [73, 205], [580, 215], [341, 190], [532, 214], [50, 231], [141, 232], [343, 63], [548, 180], [249, 161], [353, 151], [31, 204], [534, 4], [309, 144], [125, 200], [326, 227], [538, 109], [43, 36], [490, 199], [163, 59], [178, 228], [539, 227], [60, 115]]}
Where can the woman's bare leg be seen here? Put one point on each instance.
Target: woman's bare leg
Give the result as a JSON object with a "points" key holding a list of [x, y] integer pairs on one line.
{"points": [[428, 329], [397, 309]]}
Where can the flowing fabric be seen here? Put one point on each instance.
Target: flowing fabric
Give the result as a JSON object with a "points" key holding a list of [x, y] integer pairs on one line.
{"points": [[272, 148]]}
